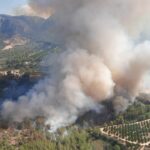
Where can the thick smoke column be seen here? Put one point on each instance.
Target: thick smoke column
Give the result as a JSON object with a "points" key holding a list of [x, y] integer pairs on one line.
{"points": [[35, 8], [102, 61]]}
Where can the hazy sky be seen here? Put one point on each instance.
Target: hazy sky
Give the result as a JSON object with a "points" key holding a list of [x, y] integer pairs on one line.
{"points": [[8, 6]]}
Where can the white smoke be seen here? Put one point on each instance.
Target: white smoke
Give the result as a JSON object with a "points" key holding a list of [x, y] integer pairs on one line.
{"points": [[102, 59], [67, 94]]}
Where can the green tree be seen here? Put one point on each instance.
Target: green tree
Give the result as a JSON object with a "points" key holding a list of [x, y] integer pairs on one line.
{"points": [[116, 147]]}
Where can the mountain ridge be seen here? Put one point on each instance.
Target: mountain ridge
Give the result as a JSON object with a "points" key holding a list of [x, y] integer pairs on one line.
{"points": [[30, 27]]}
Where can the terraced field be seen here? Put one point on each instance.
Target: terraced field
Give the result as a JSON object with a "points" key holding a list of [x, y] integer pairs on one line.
{"points": [[133, 133]]}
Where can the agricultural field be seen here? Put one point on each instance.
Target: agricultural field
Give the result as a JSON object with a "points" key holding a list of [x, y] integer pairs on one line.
{"points": [[131, 128], [137, 133], [26, 58]]}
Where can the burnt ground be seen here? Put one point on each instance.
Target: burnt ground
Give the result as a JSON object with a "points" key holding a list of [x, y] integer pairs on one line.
{"points": [[93, 118]]}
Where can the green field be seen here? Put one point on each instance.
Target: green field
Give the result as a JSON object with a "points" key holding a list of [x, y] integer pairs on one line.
{"points": [[136, 133]]}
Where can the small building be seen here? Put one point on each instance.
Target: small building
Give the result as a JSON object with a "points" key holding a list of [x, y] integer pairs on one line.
{"points": [[3, 73], [15, 72]]}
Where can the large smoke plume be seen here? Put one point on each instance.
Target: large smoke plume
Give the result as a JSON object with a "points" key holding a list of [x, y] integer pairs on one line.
{"points": [[103, 59]]}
